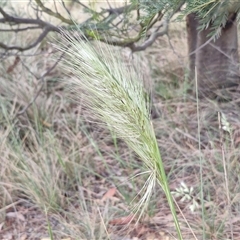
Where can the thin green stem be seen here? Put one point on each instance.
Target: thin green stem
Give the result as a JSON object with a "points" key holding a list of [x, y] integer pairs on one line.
{"points": [[165, 186]]}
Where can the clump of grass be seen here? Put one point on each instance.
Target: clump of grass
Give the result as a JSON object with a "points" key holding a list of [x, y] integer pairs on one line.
{"points": [[37, 171], [115, 95]]}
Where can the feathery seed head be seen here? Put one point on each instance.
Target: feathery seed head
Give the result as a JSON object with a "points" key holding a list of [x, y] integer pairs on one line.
{"points": [[115, 94]]}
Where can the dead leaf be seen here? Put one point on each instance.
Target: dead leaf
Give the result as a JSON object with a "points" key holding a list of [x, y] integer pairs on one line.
{"points": [[151, 236], [8, 236], [15, 215], [45, 123], [16, 61], [109, 194], [122, 220], [23, 237], [141, 230]]}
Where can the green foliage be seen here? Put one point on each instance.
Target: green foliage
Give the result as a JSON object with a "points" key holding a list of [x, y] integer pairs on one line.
{"points": [[212, 13]]}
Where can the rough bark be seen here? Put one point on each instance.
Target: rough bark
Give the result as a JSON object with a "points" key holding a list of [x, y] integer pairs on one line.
{"points": [[216, 62]]}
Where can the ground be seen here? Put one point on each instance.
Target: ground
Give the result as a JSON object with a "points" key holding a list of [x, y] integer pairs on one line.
{"points": [[66, 176]]}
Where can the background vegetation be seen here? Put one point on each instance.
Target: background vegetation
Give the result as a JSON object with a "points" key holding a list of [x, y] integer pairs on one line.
{"points": [[65, 177]]}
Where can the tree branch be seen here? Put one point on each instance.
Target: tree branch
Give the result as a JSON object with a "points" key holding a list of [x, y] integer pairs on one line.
{"points": [[17, 20], [19, 29], [41, 87], [105, 26], [156, 34], [21, 49], [150, 40], [47, 27], [54, 14]]}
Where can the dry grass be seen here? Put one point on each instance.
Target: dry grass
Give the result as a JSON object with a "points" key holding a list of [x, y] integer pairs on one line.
{"points": [[60, 170]]}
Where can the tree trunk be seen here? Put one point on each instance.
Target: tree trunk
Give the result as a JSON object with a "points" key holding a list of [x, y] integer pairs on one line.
{"points": [[216, 62], [192, 34]]}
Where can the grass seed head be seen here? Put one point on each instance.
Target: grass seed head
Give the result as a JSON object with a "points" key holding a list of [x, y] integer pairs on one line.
{"points": [[115, 94]]}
